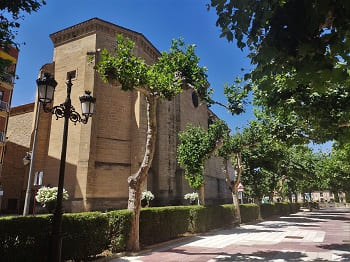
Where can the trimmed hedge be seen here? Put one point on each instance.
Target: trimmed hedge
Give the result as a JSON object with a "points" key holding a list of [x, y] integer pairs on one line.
{"points": [[347, 197], [85, 234], [88, 234], [27, 238], [278, 209], [295, 207], [204, 218], [21, 236], [119, 228], [163, 223], [282, 209], [249, 212], [267, 210]]}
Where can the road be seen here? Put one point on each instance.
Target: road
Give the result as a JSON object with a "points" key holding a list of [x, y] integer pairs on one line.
{"points": [[322, 235]]}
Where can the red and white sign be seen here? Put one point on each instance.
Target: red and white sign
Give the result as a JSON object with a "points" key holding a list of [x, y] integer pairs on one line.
{"points": [[240, 187]]}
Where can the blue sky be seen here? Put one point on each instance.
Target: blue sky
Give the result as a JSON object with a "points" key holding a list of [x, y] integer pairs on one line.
{"points": [[160, 21]]}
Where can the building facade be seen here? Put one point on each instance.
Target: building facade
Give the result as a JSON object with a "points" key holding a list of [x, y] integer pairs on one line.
{"points": [[7, 77], [110, 147]]}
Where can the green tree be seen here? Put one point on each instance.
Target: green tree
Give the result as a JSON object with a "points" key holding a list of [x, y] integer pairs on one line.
{"points": [[231, 152], [173, 71], [336, 168], [11, 13], [300, 50], [196, 146]]}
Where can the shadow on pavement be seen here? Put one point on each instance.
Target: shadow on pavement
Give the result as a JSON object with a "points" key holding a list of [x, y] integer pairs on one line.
{"points": [[263, 256], [339, 247]]}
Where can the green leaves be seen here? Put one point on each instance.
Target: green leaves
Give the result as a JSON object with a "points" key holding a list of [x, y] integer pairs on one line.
{"points": [[11, 11], [165, 78], [299, 48], [196, 146]]}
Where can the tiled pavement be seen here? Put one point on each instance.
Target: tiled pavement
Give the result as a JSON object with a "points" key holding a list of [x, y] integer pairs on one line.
{"points": [[322, 235]]}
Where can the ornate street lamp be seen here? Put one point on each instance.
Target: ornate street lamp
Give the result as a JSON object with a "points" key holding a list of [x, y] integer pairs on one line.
{"points": [[46, 88]]}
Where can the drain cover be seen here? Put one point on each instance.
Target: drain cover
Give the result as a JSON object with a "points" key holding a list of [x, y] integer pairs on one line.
{"points": [[294, 237]]}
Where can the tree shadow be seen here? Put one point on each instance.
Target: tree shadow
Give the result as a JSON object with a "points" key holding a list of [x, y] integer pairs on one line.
{"points": [[338, 247], [263, 256]]}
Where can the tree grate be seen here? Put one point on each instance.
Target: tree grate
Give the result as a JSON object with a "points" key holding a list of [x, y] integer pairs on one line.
{"points": [[294, 237]]}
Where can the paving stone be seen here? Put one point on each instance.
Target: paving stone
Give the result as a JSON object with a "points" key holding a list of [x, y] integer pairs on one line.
{"points": [[283, 239]]}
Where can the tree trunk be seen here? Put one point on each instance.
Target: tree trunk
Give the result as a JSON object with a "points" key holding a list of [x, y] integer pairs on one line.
{"points": [[236, 204], [201, 195], [257, 202], [239, 169], [271, 196], [136, 180]]}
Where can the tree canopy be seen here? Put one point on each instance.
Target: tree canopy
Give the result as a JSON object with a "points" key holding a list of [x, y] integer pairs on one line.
{"points": [[300, 50], [197, 145], [11, 13]]}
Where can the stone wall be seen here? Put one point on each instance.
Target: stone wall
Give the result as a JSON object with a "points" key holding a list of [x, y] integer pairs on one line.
{"points": [[14, 174]]}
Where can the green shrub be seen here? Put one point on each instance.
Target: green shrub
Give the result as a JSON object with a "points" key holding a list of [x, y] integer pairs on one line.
{"points": [[204, 218], [294, 207], [347, 197], [267, 210], [119, 229], [249, 212], [85, 234], [163, 223], [336, 197], [282, 209], [24, 238]]}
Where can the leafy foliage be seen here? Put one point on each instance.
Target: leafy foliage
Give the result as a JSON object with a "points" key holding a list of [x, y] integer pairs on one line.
{"points": [[301, 54], [196, 147], [336, 168], [119, 223], [11, 12], [164, 79], [173, 71]]}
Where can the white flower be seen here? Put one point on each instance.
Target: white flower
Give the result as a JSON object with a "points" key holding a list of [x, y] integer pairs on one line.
{"points": [[191, 196], [49, 194], [147, 195]]}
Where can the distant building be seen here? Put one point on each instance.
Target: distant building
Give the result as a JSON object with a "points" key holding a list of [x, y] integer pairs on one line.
{"points": [[102, 154], [7, 77]]}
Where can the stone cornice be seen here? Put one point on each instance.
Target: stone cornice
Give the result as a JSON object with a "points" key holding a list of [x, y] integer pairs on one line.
{"points": [[95, 25], [22, 109]]}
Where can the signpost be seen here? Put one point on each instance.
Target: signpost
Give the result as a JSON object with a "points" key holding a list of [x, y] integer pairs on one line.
{"points": [[240, 189]]}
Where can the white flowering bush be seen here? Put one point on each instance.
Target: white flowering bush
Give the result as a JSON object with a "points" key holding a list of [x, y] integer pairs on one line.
{"points": [[191, 196], [148, 196], [47, 195]]}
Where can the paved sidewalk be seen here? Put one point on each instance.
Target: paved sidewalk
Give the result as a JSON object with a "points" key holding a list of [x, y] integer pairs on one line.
{"points": [[322, 235]]}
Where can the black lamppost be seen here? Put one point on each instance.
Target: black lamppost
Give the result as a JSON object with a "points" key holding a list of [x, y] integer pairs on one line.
{"points": [[46, 88]]}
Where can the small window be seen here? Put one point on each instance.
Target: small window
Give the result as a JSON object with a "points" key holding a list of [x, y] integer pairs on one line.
{"points": [[195, 99], [1, 95], [72, 74]]}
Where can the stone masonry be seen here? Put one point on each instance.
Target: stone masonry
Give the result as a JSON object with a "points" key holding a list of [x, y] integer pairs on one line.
{"points": [[110, 147]]}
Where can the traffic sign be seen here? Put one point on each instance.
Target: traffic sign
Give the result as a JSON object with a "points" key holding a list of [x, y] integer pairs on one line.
{"points": [[240, 187]]}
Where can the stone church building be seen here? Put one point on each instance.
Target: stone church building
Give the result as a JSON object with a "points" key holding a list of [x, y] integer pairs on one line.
{"points": [[110, 147]]}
